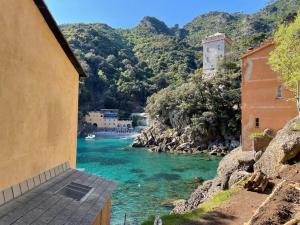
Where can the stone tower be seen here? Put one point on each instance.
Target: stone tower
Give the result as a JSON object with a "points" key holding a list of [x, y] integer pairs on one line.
{"points": [[215, 50]]}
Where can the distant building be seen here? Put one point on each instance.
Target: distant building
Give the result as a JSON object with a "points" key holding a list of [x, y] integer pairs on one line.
{"points": [[108, 119], [124, 125], [266, 103], [215, 50], [39, 80]]}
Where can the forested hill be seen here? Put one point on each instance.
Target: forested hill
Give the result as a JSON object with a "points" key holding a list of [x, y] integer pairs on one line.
{"points": [[125, 66]]}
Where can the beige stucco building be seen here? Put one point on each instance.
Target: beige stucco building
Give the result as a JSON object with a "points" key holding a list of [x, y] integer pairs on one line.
{"points": [[38, 95], [39, 79], [107, 119], [215, 50], [124, 124], [96, 118]]}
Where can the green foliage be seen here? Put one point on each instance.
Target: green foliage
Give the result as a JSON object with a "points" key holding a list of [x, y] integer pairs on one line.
{"points": [[216, 200], [209, 106], [189, 218], [125, 66], [116, 78], [285, 59], [168, 56], [256, 135], [135, 120]]}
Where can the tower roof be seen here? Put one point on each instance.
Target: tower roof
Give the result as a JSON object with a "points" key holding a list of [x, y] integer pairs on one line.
{"points": [[216, 37]]}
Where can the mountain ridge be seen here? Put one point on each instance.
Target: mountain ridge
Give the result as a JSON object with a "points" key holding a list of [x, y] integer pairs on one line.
{"points": [[125, 66]]}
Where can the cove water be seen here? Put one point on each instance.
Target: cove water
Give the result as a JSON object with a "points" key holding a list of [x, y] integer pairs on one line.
{"points": [[145, 180]]}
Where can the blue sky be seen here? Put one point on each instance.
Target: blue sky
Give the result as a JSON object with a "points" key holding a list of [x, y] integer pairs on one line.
{"points": [[127, 13]]}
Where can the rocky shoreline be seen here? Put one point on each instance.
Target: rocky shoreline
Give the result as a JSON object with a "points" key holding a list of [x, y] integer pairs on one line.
{"points": [[158, 138], [282, 154], [232, 168]]}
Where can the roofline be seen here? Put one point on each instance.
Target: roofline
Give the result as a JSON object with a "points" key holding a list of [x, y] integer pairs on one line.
{"points": [[228, 40], [59, 36], [258, 49]]}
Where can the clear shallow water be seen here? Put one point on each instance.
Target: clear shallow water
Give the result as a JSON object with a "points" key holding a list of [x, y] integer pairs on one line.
{"points": [[144, 179]]}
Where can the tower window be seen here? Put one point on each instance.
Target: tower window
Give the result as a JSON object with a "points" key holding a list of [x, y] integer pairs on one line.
{"points": [[257, 122], [279, 92]]}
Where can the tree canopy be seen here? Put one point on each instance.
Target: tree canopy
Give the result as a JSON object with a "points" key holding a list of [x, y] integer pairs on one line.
{"points": [[126, 66], [285, 59]]}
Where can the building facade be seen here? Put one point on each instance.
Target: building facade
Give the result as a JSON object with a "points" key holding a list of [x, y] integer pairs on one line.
{"points": [[215, 50], [96, 118], [39, 82], [266, 103], [107, 119], [124, 124]]}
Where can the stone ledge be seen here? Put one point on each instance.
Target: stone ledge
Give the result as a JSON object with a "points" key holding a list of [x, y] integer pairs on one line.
{"points": [[23, 187]]}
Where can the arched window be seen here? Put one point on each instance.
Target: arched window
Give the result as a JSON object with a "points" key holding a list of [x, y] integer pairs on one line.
{"points": [[279, 92]]}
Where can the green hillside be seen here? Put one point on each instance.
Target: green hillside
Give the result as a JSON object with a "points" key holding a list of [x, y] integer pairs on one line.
{"points": [[125, 66]]}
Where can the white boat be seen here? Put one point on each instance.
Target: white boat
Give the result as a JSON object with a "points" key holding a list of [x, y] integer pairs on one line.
{"points": [[90, 136]]}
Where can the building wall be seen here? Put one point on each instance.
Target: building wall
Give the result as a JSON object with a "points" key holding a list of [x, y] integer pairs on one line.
{"points": [[103, 217], [105, 122], [95, 118], [124, 123], [38, 96], [213, 53], [110, 122], [215, 50], [259, 88]]}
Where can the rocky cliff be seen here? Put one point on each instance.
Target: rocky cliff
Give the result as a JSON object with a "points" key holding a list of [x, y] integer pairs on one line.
{"points": [[160, 138], [233, 167], [283, 150], [280, 162]]}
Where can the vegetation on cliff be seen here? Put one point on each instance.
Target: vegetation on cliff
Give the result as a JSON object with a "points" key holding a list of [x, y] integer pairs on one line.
{"points": [[216, 200], [125, 66], [210, 107]]}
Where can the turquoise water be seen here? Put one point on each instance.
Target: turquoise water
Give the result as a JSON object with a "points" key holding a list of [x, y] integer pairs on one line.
{"points": [[144, 179]]}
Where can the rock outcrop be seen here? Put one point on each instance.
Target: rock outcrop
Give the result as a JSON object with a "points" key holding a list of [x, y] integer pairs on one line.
{"points": [[279, 161], [85, 129], [282, 150], [159, 138], [232, 168], [281, 207]]}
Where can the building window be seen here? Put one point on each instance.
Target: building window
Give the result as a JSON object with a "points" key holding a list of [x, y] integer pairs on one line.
{"points": [[257, 122], [219, 47], [279, 92], [207, 50]]}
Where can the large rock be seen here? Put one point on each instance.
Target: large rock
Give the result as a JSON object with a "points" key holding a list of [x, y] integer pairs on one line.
{"points": [[236, 160], [198, 196], [181, 141], [232, 168], [236, 177], [282, 150], [183, 147]]}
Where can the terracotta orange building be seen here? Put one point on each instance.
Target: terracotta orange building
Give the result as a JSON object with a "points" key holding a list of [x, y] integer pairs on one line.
{"points": [[266, 103]]}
